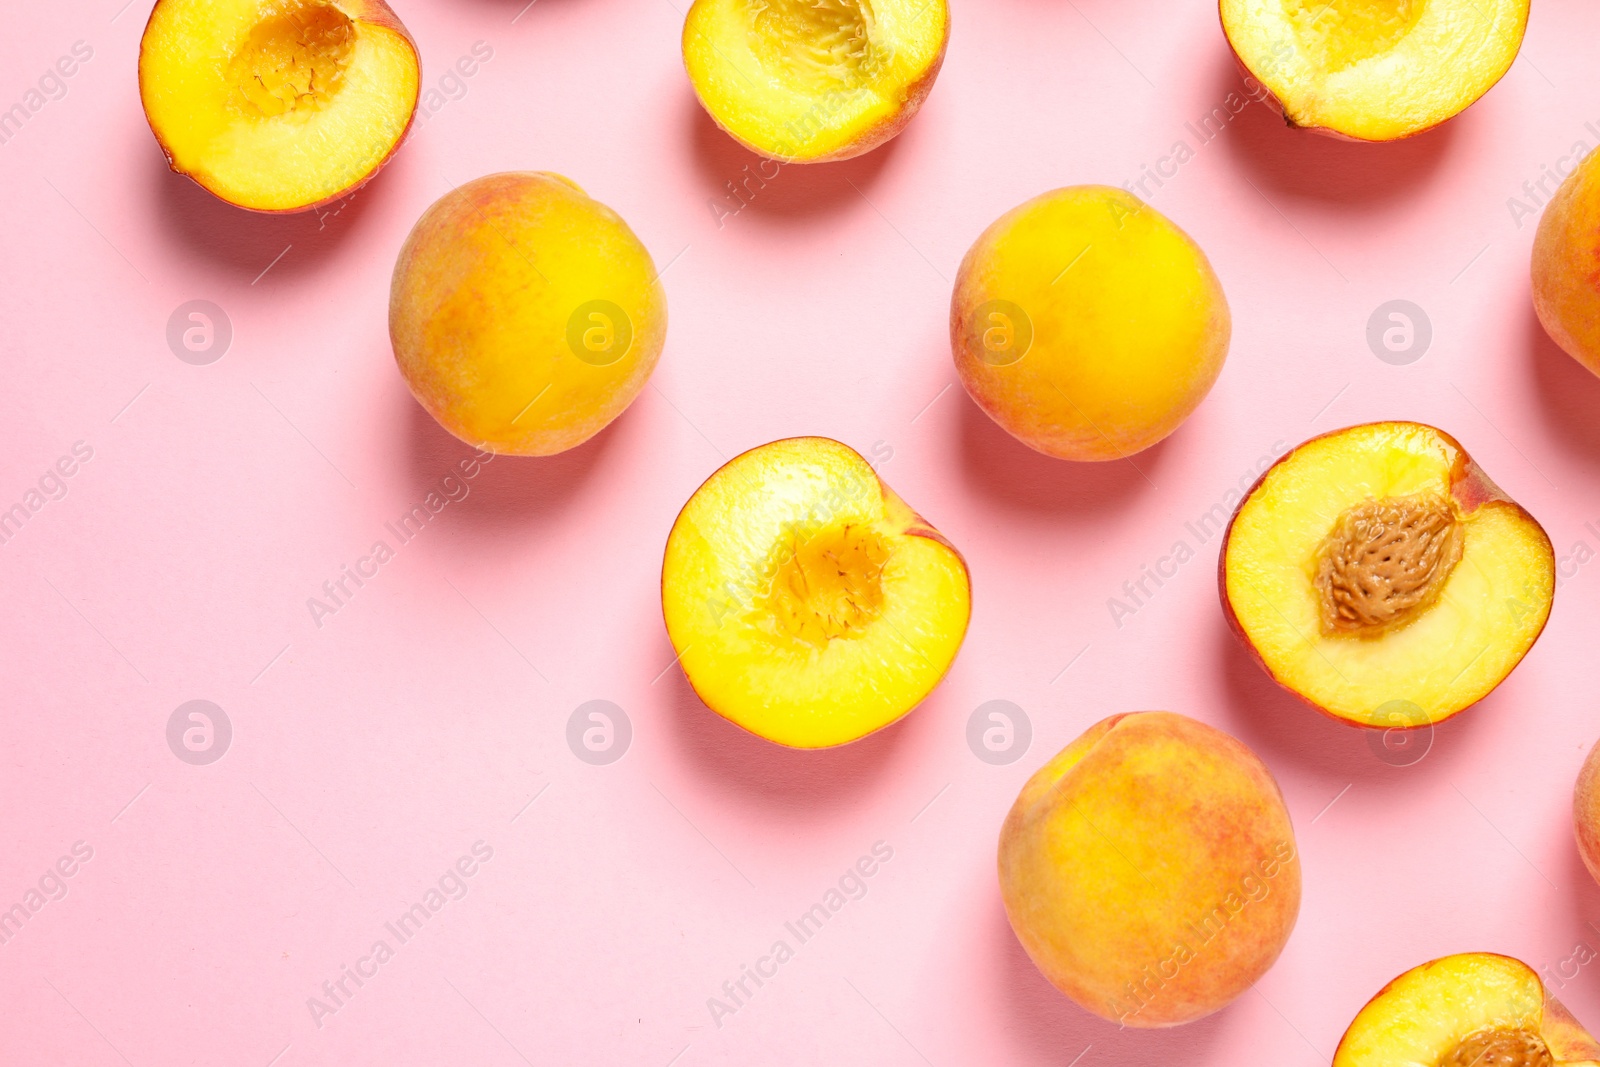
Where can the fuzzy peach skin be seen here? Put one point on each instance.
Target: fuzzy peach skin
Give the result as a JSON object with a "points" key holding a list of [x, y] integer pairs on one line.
{"points": [[1586, 812], [525, 315], [1566, 265], [278, 106], [1150, 869], [1086, 324]]}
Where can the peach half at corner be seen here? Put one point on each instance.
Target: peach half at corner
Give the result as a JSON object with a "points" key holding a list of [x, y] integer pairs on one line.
{"points": [[1476, 1009], [806, 601], [1378, 574], [1150, 869], [1086, 324], [1374, 70], [277, 105], [1566, 288], [525, 316], [807, 81]]}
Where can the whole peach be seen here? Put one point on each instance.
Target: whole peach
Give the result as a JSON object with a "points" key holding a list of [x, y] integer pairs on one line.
{"points": [[1566, 265], [1150, 869], [525, 315], [1086, 324]]}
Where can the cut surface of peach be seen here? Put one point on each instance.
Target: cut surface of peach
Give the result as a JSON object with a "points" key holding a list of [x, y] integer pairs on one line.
{"points": [[1378, 568], [1375, 70], [811, 80], [277, 105], [806, 601], [1476, 1009]]}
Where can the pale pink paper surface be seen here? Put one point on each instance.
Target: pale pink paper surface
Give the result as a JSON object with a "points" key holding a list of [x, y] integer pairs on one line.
{"points": [[372, 752]]}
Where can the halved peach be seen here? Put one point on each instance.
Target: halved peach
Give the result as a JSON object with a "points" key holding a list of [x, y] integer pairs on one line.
{"points": [[1374, 70], [525, 315], [1378, 567], [1150, 869], [1475, 1009], [806, 601], [805, 81], [277, 105], [1566, 285]]}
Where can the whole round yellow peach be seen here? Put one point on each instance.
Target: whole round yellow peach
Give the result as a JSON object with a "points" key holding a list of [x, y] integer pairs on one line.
{"points": [[525, 315], [1150, 869], [1086, 324], [1566, 284]]}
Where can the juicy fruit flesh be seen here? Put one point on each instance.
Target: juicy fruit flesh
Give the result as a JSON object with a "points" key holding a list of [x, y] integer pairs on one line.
{"points": [[813, 80], [829, 585], [1386, 561], [1500, 1047], [806, 601], [1375, 70], [293, 62], [1340, 33], [277, 105], [1475, 1008], [821, 44], [1443, 655]]}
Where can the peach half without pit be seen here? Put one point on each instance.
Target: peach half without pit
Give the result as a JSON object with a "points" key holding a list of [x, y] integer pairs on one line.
{"points": [[1150, 869], [1086, 324], [1566, 286], [805, 600], [1378, 574], [807, 81], [1475, 1009], [524, 314], [277, 105], [1374, 70]]}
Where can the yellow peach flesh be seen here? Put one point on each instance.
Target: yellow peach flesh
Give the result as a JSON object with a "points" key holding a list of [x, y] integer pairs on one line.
{"points": [[277, 106], [1375, 70], [806, 81], [1449, 649], [806, 601]]}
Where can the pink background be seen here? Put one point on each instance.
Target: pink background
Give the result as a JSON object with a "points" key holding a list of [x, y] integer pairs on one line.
{"points": [[369, 754]]}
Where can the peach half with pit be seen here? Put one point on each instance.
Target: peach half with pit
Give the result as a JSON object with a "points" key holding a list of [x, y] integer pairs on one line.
{"points": [[277, 105], [1374, 70], [1086, 324], [1150, 869], [524, 314], [807, 81], [1566, 285], [1378, 574], [805, 600], [1474, 1009]]}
